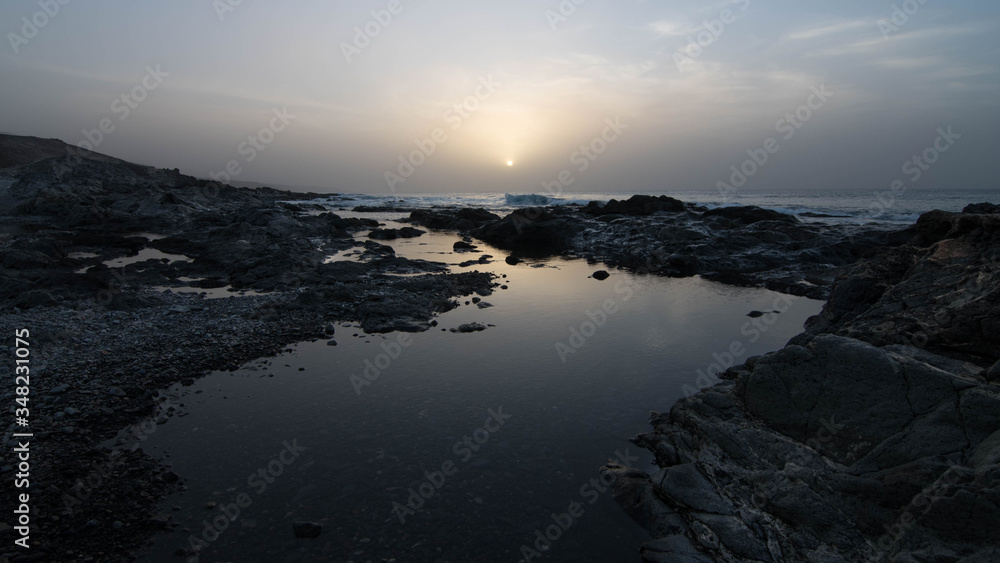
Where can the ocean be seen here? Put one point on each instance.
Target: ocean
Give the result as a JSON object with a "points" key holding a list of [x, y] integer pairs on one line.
{"points": [[842, 206]]}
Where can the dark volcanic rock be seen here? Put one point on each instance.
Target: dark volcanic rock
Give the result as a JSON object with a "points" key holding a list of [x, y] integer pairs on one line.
{"points": [[636, 205], [993, 374], [982, 208], [601, 275], [454, 219], [19, 151], [859, 445], [392, 234], [533, 231], [749, 214], [746, 246], [941, 292], [811, 453]]}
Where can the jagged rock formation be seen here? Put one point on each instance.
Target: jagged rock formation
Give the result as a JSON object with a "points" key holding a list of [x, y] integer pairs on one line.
{"points": [[746, 246], [874, 436]]}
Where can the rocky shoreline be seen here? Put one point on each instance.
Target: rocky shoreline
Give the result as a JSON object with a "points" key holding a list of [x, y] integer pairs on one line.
{"points": [[91, 246], [872, 436], [104, 340], [742, 245]]}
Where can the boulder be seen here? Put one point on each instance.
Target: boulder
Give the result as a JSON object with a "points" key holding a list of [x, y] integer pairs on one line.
{"points": [[533, 231], [636, 205], [453, 219], [981, 208], [392, 234], [749, 214]]}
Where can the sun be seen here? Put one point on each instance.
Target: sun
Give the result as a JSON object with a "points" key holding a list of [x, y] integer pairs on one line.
{"points": [[510, 163]]}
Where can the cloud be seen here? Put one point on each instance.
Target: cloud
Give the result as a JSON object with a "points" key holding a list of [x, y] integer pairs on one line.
{"points": [[830, 29], [666, 28], [906, 38]]}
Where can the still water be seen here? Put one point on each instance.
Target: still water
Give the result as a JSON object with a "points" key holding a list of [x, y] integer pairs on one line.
{"points": [[499, 430]]}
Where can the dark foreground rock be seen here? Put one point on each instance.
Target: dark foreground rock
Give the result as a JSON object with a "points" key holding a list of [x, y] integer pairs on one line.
{"points": [[880, 442]]}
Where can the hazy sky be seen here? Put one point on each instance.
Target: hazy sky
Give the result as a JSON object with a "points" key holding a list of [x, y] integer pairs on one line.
{"points": [[480, 84]]}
